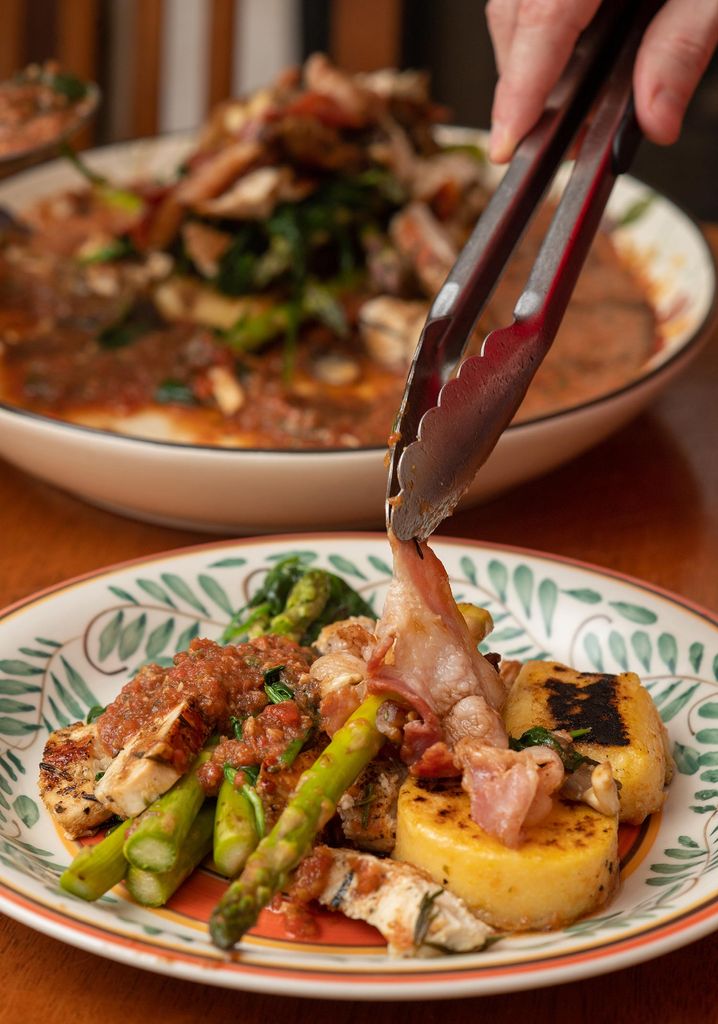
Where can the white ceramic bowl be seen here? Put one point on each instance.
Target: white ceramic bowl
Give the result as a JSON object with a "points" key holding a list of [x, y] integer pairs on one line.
{"points": [[224, 489]]}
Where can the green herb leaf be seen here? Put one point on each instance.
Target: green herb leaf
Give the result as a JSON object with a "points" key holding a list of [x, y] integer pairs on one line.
{"points": [[79, 164], [252, 773], [235, 275], [237, 724], [139, 319], [174, 391], [273, 675], [230, 773], [257, 807], [95, 711], [251, 332], [539, 736], [117, 249], [120, 198], [427, 913], [70, 86], [276, 691], [635, 211], [290, 754], [319, 302], [471, 149]]}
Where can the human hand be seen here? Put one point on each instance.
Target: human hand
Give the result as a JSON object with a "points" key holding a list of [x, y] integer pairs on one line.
{"points": [[533, 40]]}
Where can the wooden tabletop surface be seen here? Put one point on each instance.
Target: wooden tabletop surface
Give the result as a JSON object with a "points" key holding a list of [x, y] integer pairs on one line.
{"points": [[645, 503]]}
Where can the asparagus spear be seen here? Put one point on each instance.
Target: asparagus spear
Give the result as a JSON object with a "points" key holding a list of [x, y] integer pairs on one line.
{"points": [[254, 618], [343, 601], [305, 603], [154, 844], [154, 888], [97, 868], [235, 830], [312, 804], [477, 619], [287, 585]]}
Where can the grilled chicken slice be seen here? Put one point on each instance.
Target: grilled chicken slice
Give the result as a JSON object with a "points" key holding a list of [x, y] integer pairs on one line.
{"points": [[71, 761], [416, 917], [254, 196], [425, 245], [205, 246], [390, 329], [153, 761], [368, 808]]}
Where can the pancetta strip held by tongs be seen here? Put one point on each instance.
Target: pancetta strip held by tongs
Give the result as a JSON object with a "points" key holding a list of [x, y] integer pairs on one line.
{"points": [[448, 425]]}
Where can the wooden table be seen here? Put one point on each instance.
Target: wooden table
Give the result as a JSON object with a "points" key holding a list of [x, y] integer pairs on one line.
{"points": [[645, 502]]}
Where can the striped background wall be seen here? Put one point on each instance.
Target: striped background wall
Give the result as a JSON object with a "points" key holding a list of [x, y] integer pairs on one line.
{"points": [[169, 61], [162, 64]]}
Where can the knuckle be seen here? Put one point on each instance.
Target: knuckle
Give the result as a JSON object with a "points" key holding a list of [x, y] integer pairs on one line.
{"points": [[498, 13], [688, 51], [539, 13], [679, 59], [572, 17]]}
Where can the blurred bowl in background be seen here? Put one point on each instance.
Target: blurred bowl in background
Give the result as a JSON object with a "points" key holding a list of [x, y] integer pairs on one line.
{"points": [[226, 490]]}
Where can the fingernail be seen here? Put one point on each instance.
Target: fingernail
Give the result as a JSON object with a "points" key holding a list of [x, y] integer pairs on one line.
{"points": [[667, 112], [501, 143]]}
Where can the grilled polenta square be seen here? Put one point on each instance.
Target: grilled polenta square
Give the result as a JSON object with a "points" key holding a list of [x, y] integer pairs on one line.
{"points": [[566, 866], [624, 726]]}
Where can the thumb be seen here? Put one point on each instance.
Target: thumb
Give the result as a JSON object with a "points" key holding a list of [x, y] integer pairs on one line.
{"points": [[675, 52]]}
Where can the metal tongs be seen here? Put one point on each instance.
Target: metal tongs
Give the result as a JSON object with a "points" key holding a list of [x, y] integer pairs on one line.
{"points": [[448, 425]]}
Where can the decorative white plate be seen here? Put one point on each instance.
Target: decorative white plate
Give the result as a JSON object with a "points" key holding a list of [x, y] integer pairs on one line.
{"points": [[150, 477], [75, 645]]}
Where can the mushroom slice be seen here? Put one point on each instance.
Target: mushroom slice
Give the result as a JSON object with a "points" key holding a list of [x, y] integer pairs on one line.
{"points": [[593, 784]]}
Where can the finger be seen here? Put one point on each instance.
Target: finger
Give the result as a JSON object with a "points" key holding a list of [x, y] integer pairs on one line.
{"points": [[675, 52], [501, 19], [544, 36]]}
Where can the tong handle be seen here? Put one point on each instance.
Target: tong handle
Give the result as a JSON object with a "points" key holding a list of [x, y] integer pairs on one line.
{"points": [[471, 281], [513, 204], [458, 432]]}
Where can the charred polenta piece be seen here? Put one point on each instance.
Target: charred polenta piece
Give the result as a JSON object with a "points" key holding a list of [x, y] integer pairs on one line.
{"points": [[625, 728], [567, 866]]}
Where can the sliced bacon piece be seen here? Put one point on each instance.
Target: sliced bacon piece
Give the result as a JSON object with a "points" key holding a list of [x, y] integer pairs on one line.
{"points": [[323, 77], [216, 172], [435, 663], [508, 789], [425, 655], [437, 762]]}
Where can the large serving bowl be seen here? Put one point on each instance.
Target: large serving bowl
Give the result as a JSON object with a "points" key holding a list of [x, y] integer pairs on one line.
{"points": [[152, 477]]}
